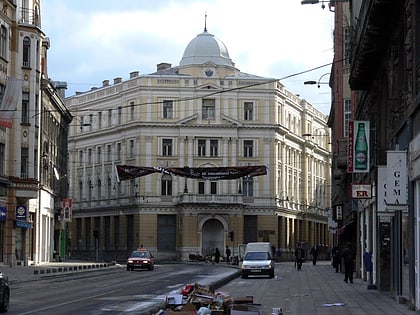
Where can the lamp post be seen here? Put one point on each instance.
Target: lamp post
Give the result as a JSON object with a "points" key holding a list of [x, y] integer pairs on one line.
{"points": [[312, 82], [331, 3]]}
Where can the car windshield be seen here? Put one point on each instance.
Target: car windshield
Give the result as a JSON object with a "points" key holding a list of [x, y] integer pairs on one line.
{"points": [[257, 256], [140, 254]]}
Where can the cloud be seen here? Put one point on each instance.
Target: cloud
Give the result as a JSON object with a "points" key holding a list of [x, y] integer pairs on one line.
{"points": [[97, 40]]}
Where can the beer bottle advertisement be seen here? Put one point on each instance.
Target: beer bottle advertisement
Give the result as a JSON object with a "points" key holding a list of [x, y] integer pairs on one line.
{"points": [[361, 146]]}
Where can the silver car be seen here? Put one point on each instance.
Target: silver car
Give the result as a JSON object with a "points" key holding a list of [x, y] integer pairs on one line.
{"points": [[257, 264]]}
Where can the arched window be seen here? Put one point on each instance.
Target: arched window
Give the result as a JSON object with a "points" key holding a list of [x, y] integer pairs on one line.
{"points": [[166, 185], [26, 52]]}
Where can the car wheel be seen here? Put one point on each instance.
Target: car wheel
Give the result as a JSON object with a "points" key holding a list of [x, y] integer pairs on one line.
{"points": [[4, 306], [244, 276], [128, 268], [271, 275]]}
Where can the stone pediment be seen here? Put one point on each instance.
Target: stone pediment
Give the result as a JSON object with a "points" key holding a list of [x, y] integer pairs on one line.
{"points": [[230, 120], [188, 119]]}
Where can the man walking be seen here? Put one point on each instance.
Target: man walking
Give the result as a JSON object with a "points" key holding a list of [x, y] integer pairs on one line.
{"points": [[348, 257], [299, 256]]}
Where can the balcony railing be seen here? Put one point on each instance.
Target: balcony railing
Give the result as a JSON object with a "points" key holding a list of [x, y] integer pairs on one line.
{"points": [[28, 16], [211, 199]]}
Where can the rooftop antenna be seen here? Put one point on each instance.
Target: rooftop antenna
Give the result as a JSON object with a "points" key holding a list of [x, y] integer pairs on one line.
{"points": [[205, 22]]}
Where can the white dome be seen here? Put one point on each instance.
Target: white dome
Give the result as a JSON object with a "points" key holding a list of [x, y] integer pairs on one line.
{"points": [[206, 48]]}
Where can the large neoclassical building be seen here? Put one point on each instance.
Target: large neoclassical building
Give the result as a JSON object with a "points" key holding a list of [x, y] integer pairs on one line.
{"points": [[203, 113]]}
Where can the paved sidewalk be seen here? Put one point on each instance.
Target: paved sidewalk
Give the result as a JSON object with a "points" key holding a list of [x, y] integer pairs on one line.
{"points": [[315, 290]]}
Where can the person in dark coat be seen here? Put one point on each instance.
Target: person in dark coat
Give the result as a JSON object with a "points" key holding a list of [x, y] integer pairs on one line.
{"points": [[314, 252], [217, 255], [348, 256], [299, 256], [336, 258], [227, 251]]}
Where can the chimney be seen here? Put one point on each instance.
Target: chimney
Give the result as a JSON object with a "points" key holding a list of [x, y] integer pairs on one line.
{"points": [[105, 83], [134, 74], [61, 88], [117, 80], [163, 66]]}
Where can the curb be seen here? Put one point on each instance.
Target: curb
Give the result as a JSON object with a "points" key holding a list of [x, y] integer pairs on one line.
{"points": [[72, 268]]}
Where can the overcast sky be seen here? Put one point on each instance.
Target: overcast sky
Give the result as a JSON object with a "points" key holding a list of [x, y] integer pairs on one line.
{"points": [[98, 40]]}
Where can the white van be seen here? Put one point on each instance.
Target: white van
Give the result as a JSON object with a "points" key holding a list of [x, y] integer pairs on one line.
{"points": [[258, 260]]}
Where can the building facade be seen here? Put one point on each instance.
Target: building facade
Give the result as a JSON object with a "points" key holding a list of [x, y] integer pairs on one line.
{"points": [[202, 113], [380, 40], [27, 195]]}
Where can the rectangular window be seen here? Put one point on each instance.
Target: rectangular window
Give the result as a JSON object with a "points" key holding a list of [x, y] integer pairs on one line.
{"points": [[248, 186], [131, 148], [25, 107], [98, 154], [3, 42], [2, 158], [346, 46], [248, 111], [347, 116], [80, 158], [131, 111], [208, 108], [109, 117], [167, 147], [201, 188], [108, 153], [168, 109], [201, 147], [213, 188], [90, 156], [118, 151], [248, 148], [100, 120], [214, 148], [24, 159], [119, 116]]}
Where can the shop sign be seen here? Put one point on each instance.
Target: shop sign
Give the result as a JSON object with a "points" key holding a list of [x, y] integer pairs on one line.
{"points": [[21, 213], [396, 178], [361, 191], [3, 212]]}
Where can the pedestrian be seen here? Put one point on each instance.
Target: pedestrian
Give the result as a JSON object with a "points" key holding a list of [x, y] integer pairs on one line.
{"points": [[278, 254], [348, 257], [314, 252], [299, 256], [227, 254], [336, 258], [217, 255]]}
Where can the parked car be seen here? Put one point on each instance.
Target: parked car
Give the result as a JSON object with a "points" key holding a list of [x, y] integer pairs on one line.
{"points": [[257, 263], [4, 293], [141, 259]]}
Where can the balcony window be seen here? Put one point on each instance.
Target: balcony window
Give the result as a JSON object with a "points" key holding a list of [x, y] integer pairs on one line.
{"points": [[25, 107], [248, 111], [167, 147], [248, 148], [168, 109], [166, 182], [201, 147], [214, 148], [201, 189], [248, 186], [208, 109], [213, 188]]}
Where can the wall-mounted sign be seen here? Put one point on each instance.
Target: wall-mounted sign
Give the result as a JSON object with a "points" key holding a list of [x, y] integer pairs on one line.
{"points": [[358, 147], [339, 212], [396, 178], [66, 214], [21, 213], [3, 212], [361, 191]]}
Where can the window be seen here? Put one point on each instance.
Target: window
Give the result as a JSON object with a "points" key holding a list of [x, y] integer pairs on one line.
{"points": [[25, 107], [131, 148], [119, 116], [98, 154], [346, 45], [347, 116], [3, 42], [109, 117], [118, 151], [213, 188], [214, 148], [248, 186], [89, 156], [99, 189], [80, 190], [2, 158], [201, 186], [26, 52], [108, 153], [100, 120], [167, 147], [168, 109], [208, 109], [201, 147], [248, 148], [131, 110], [248, 111], [80, 158], [24, 159], [166, 185]]}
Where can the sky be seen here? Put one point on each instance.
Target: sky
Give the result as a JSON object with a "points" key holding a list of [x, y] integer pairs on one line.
{"points": [[97, 40]]}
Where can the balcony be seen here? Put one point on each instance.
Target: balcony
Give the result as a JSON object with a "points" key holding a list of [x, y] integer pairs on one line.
{"points": [[211, 199], [28, 16]]}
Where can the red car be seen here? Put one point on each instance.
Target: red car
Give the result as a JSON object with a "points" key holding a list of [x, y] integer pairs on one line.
{"points": [[141, 259]]}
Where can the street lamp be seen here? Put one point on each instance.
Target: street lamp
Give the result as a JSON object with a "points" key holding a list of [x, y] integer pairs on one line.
{"points": [[311, 82], [82, 124], [330, 2]]}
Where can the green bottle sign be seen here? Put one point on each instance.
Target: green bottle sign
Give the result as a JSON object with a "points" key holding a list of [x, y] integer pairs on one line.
{"points": [[361, 149]]}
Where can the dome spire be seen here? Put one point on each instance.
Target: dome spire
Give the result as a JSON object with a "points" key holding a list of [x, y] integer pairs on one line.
{"points": [[205, 22]]}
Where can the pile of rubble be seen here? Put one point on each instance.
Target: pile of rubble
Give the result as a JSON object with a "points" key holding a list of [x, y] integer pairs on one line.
{"points": [[201, 300]]}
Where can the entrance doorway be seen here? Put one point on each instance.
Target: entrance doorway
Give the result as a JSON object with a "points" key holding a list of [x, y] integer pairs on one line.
{"points": [[213, 236]]}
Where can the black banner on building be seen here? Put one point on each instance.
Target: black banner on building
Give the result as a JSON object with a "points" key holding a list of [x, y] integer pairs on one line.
{"points": [[126, 172]]}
